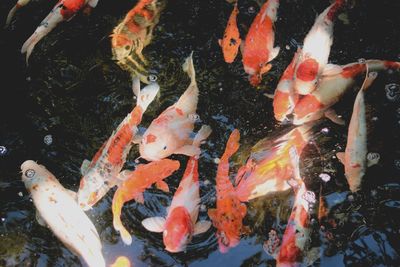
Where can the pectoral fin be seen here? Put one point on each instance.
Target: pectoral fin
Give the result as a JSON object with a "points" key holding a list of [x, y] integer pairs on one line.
{"points": [[201, 227], [85, 167], [340, 156], [188, 150], [40, 219], [162, 185], [331, 114], [154, 224]]}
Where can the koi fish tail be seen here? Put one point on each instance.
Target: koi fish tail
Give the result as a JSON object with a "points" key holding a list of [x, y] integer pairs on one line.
{"points": [[188, 67], [188, 101], [146, 95], [202, 135], [47, 25], [11, 14], [117, 204], [232, 145]]}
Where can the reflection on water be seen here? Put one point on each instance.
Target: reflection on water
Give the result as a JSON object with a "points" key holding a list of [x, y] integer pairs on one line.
{"points": [[61, 108]]}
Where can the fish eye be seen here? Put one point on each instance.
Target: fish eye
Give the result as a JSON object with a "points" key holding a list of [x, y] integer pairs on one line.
{"points": [[165, 147], [30, 173]]}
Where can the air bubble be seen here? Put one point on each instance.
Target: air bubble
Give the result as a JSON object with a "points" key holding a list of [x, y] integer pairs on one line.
{"points": [[325, 177], [216, 160], [361, 60], [251, 10], [392, 92], [325, 130], [309, 196], [20, 194], [194, 117], [373, 157], [153, 78], [397, 163], [48, 139], [3, 150]]}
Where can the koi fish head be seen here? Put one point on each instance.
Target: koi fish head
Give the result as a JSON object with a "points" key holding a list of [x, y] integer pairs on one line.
{"points": [[309, 108], [156, 145], [283, 105], [91, 189], [33, 174], [121, 46], [306, 76], [178, 230]]}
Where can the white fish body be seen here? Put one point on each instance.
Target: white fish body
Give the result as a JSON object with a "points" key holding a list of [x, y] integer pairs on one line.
{"points": [[57, 207]]}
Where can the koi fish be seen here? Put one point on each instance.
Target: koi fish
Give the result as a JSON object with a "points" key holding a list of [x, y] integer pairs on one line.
{"points": [[229, 212], [63, 10], [258, 47], [180, 224], [314, 56], [121, 261], [296, 237], [18, 5], [231, 40], [101, 174], [135, 183], [285, 98], [354, 158], [57, 208], [268, 168], [331, 88], [169, 133], [133, 34]]}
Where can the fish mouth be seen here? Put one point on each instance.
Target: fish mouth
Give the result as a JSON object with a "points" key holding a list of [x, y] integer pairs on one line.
{"points": [[27, 165]]}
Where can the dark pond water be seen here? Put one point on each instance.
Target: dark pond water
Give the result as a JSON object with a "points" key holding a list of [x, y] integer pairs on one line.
{"points": [[73, 91]]}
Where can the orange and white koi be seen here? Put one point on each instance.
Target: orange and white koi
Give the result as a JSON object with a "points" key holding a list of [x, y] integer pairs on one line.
{"points": [[57, 208], [296, 237], [331, 88], [135, 183], [268, 168], [285, 98], [181, 222], [231, 41], [314, 55], [228, 215], [133, 34], [354, 158], [100, 174], [169, 133], [121, 261], [63, 10], [258, 47], [18, 5]]}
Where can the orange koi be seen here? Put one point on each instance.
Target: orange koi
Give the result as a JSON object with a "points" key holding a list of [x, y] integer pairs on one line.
{"points": [[258, 48], [231, 41], [121, 261], [135, 183], [268, 168], [181, 224], [229, 212], [100, 174]]}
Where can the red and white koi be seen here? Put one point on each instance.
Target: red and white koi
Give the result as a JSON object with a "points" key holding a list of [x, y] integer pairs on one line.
{"points": [[314, 55], [18, 5], [354, 158], [100, 174], [231, 41], [268, 168], [331, 88], [63, 10], [135, 183], [181, 222], [258, 49], [170, 132], [57, 209], [228, 215]]}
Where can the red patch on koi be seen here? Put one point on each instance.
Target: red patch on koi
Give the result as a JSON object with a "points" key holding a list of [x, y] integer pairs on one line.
{"points": [[392, 64], [70, 7], [179, 111], [151, 138], [121, 139], [307, 105], [307, 70], [352, 71]]}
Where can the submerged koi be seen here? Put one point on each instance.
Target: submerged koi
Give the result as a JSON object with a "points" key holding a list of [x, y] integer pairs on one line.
{"points": [[135, 183], [133, 34], [331, 88], [181, 222], [314, 55], [18, 5], [268, 168], [63, 10], [231, 41], [354, 158], [258, 48], [100, 174], [229, 212], [57, 209], [170, 132], [121, 261]]}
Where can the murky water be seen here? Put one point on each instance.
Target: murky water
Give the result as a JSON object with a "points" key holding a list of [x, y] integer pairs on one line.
{"points": [[73, 91]]}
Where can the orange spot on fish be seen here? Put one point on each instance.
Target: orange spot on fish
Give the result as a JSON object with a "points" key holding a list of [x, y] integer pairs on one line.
{"points": [[150, 138], [179, 111], [307, 70], [70, 7], [352, 71], [307, 105]]}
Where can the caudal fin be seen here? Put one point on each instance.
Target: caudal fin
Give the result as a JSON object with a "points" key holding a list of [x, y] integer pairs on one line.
{"points": [[117, 204], [146, 95], [188, 67], [11, 15], [232, 145]]}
